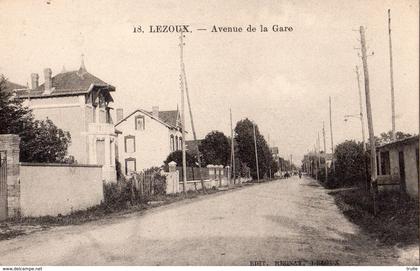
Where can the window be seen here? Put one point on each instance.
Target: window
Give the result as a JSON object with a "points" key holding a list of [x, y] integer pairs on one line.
{"points": [[385, 164], [130, 165], [130, 144], [180, 143], [172, 143], [176, 143], [139, 123]]}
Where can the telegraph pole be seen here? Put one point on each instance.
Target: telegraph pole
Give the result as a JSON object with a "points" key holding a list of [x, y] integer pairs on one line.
{"points": [[232, 148], [319, 152], [325, 153], [369, 118], [256, 153], [291, 162], [184, 155], [332, 141], [392, 77], [362, 121], [203, 187]]}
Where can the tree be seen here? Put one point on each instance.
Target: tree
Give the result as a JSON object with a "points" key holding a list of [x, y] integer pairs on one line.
{"points": [[386, 137], [350, 163], [246, 150], [40, 141], [176, 156], [215, 149]]}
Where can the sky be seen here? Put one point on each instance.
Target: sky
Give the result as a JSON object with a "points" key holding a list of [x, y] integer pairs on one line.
{"points": [[280, 80]]}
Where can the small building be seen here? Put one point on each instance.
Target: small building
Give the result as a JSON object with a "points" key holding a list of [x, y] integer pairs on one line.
{"points": [[147, 138], [398, 165], [77, 102]]}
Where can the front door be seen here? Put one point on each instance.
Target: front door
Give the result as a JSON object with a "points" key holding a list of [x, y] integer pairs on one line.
{"points": [[3, 185], [402, 170]]}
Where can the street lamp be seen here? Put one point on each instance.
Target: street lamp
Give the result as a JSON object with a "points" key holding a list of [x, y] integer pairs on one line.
{"points": [[358, 116]]}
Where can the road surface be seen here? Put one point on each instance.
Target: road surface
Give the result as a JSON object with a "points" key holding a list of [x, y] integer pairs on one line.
{"points": [[284, 222]]}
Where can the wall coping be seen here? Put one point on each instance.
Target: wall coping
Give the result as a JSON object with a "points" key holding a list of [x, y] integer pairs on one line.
{"points": [[57, 165]]}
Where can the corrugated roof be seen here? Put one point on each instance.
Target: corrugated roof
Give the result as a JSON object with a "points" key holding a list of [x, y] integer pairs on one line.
{"points": [[403, 141]]}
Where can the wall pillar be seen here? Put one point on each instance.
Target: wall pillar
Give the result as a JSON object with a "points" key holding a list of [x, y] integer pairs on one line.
{"points": [[10, 145], [107, 152], [113, 151]]}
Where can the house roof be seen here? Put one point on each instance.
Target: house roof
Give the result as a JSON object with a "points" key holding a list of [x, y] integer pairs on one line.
{"points": [[405, 141], [67, 83], [167, 118], [192, 145], [10, 86]]}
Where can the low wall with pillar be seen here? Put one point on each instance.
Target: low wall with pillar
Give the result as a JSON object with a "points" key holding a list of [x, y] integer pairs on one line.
{"points": [[218, 177], [53, 189], [39, 189]]}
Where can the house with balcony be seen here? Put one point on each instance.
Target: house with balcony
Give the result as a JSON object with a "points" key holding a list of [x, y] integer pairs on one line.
{"points": [[77, 102], [147, 138]]}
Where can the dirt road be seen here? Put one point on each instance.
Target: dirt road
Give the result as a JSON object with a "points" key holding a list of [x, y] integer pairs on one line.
{"points": [[288, 221]]}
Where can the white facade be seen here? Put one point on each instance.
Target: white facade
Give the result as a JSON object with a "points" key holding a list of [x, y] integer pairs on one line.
{"points": [[145, 141]]}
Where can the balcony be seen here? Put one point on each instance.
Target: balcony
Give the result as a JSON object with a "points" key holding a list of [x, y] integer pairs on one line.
{"points": [[101, 128]]}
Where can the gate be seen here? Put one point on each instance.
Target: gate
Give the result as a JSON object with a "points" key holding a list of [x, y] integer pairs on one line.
{"points": [[3, 185]]}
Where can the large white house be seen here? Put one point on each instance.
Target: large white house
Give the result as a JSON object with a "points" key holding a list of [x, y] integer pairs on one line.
{"points": [[77, 102], [147, 138]]}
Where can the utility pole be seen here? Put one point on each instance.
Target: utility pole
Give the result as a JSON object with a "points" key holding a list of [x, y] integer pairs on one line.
{"points": [[184, 155], [315, 163], [203, 187], [332, 141], [392, 77], [291, 162], [325, 153], [232, 148], [362, 121], [369, 118], [269, 166], [256, 153], [319, 152]]}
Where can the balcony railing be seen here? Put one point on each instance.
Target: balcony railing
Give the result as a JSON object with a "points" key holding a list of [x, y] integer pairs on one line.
{"points": [[101, 128]]}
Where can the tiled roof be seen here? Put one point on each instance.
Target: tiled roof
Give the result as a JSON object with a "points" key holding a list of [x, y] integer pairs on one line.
{"points": [[10, 86], [170, 117], [68, 83], [192, 145], [167, 118]]}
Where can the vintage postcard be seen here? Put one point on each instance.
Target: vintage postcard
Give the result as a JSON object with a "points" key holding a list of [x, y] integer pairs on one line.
{"points": [[209, 133]]}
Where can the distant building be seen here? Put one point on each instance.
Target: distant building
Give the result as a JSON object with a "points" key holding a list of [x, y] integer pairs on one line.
{"points": [[192, 145], [77, 102], [147, 138], [398, 165]]}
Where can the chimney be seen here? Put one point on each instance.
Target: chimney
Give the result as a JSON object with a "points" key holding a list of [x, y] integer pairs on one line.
{"points": [[120, 114], [155, 111], [48, 80], [34, 81]]}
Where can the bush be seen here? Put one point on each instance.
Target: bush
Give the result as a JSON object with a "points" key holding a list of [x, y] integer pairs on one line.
{"points": [[116, 195]]}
